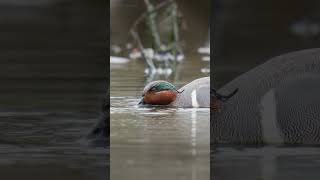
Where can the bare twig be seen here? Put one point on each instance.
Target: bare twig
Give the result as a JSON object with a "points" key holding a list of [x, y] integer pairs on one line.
{"points": [[151, 21], [141, 48], [150, 17], [144, 15]]}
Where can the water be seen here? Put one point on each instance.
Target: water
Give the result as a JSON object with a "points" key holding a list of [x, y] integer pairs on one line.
{"points": [[267, 163], [156, 143], [52, 84], [49, 145]]}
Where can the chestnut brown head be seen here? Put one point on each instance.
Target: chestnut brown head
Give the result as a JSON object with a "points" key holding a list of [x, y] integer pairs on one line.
{"points": [[159, 93]]}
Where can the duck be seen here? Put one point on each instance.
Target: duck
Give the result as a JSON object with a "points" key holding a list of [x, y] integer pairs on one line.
{"points": [[195, 94]]}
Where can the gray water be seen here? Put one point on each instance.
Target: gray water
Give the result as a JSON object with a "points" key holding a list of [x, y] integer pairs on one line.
{"points": [[158, 143], [49, 145], [267, 163]]}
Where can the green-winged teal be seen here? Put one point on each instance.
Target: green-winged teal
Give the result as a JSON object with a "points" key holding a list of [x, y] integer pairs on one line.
{"points": [[195, 94]]}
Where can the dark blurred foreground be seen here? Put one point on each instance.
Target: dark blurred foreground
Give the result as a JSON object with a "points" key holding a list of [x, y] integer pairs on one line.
{"points": [[53, 72], [246, 34]]}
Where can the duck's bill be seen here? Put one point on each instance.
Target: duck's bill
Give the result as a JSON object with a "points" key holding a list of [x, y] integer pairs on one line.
{"points": [[141, 102]]}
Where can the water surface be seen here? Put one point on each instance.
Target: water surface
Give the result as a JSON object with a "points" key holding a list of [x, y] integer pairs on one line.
{"points": [[158, 143], [267, 163]]}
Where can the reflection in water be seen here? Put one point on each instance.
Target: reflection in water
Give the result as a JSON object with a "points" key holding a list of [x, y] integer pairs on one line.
{"points": [[47, 145], [268, 163], [158, 143]]}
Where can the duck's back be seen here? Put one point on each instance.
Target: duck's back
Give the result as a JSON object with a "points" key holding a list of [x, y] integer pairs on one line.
{"points": [[195, 94]]}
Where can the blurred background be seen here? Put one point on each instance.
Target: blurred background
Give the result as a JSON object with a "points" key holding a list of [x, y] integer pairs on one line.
{"points": [[53, 78], [247, 33], [127, 62]]}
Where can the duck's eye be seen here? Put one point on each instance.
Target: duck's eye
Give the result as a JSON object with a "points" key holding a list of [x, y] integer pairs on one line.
{"points": [[153, 89]]}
